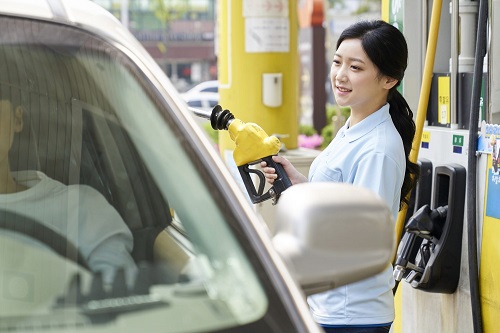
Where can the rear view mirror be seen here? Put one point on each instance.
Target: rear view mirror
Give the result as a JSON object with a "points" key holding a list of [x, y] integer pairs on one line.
{"points": [[331, 234]]}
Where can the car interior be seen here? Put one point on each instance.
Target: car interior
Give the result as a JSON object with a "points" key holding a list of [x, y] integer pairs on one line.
{"points": [[84, 100], [71, 132]]}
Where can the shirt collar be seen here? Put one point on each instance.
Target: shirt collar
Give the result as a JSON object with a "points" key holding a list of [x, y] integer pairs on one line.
{"points": [[366, 125]]}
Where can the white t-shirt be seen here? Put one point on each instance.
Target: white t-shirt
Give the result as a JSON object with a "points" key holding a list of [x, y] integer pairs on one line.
{"points": [[79, 213]]}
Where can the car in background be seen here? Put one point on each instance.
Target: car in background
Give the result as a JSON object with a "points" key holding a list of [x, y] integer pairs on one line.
{"points": [[101, 117], [204, 95], [204, 101], [211, 86]]}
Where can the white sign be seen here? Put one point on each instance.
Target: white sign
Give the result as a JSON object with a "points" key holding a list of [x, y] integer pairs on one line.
{"points": [[268, 34], [259, 8]]}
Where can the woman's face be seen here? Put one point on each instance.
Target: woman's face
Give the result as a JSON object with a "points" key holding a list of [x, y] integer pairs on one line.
{"points": [[356, 81], [10, 123]]}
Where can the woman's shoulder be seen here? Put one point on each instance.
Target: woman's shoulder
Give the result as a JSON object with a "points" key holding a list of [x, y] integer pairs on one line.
{"points": [[384, 139]]}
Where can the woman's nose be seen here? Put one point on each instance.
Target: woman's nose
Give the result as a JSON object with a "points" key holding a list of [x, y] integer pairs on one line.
{"points": [[340, 76]]}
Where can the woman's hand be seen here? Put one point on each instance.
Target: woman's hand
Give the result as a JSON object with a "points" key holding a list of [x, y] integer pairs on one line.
{"points": [[293, 174]]}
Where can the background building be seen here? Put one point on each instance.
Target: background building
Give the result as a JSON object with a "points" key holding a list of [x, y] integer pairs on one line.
{"points": [[179, 34]]}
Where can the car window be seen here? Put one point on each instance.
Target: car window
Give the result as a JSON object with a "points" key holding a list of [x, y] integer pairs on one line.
{"points": [[194, 103], [103, 174], [210, 89]]}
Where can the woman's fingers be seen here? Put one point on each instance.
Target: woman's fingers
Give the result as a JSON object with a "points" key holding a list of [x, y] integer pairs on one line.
{"points": [[269, 173]]}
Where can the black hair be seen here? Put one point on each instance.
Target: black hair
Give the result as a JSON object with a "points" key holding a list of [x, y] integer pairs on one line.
{"points": [[386, 47], [11, 77]]}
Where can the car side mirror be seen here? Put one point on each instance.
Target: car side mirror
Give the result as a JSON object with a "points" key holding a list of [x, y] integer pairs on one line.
{"points": [[331, 234]]}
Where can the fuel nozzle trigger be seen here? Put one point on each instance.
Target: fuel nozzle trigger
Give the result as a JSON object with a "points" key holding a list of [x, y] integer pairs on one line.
{"points": [[257, 195]]}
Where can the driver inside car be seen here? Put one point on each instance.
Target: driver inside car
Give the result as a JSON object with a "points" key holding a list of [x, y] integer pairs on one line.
{"points": [[77, 212]]}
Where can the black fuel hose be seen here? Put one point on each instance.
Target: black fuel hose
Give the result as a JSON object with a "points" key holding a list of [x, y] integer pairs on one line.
{"points": [[477, 80]]}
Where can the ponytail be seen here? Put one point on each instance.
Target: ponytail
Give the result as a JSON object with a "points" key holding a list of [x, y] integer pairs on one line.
{"points": [[402, 117]]}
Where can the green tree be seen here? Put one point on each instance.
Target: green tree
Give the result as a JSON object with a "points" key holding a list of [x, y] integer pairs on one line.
{"points": [[332, 3], [169, 10], [364, 6], [367, 6]]}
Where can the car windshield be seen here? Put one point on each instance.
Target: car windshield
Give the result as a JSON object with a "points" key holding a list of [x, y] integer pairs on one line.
{"points": [[107, 218]]}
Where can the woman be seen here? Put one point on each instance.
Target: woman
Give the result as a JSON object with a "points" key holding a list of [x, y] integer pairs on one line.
{"points": [[371, 151]]}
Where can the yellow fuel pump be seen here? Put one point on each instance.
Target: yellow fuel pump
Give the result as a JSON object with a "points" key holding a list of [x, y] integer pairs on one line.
{"points": [[442, 289], [258, 66]]}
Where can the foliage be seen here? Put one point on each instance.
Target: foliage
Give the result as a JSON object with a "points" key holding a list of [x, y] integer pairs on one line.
{"points": [[333, 110], [364, 6], [169, 10], [309, 137], [212, 134], [332, 3], [307, 130], [336, 117], [327, 134]]}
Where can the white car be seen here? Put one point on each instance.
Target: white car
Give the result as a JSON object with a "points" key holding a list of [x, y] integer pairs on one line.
{"points": [[211, 86], [93, 116], [204, 95], [203, 101]]}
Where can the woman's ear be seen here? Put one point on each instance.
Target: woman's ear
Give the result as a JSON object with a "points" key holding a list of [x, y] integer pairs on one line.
{"points": [[389, 82], [18, 119]]}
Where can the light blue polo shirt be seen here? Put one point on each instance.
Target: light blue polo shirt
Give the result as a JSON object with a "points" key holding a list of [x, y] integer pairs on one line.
{"points": [[369, 154]]}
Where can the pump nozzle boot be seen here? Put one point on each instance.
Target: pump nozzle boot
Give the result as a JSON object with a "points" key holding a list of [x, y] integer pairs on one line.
{"points": [[427, 223]]}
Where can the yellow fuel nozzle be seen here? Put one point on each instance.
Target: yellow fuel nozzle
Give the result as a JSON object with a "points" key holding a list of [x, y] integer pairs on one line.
{"points": [[252, 145], [252, 142]]}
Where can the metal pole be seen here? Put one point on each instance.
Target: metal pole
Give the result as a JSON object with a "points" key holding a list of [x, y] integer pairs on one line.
{"points": [[424, 98], [124, 13]]}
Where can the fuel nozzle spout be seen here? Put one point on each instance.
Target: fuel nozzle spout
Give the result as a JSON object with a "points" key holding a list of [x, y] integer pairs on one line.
{"points": [[220, 119]]}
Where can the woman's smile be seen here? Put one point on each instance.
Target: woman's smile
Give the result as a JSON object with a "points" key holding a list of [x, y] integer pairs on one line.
{"points": [[341, 90]]}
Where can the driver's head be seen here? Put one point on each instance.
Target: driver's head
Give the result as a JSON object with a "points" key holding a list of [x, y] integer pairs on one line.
{"points": [[12, 78], [11, 122]]}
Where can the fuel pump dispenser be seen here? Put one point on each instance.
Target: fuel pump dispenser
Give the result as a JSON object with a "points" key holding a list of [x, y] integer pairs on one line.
{"points": [[443, 288], [253, 145]]}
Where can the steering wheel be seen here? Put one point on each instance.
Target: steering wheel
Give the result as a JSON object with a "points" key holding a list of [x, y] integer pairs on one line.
{"points": [[36, 230]]}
